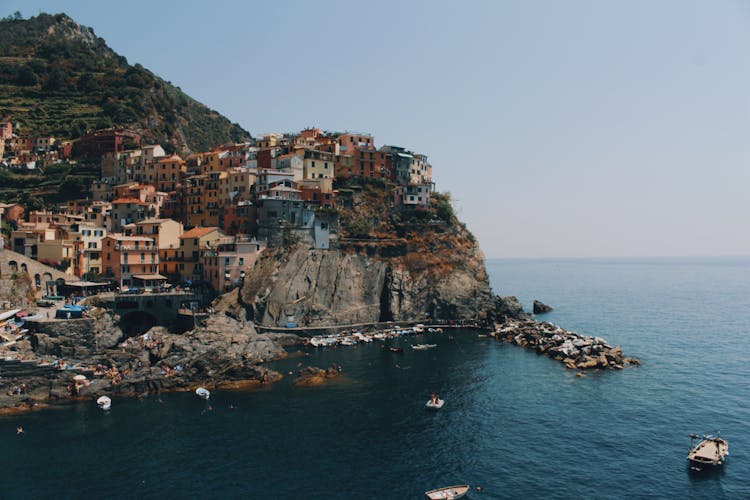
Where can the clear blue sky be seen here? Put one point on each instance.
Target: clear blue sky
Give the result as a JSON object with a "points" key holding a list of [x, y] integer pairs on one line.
{"points": [[561, 128]]}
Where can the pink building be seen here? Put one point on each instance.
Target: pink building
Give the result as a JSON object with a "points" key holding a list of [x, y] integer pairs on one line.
{"points": [[227, 259], [6, 130]]}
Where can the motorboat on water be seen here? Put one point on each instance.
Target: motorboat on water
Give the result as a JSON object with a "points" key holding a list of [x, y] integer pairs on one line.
{"points": [[448, 492], [711, 451], [202, 392], [104, 403], [423, 347]]}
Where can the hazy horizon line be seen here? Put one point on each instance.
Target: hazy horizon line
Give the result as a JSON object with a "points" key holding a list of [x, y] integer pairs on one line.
{"points": [[598, 257]]}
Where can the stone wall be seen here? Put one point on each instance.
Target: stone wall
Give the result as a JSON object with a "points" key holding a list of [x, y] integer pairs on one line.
{"points": [[13, 265]]}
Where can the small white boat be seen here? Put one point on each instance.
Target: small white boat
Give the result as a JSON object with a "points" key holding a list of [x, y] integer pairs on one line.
{"points": [[104, 403], [435, 405], [418, 328], [449, 492], [317, 342], [709, 452], [202, 392], [423, 347]]}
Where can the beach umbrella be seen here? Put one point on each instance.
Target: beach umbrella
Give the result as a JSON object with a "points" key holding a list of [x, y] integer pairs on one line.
{"points": [[79, 378]]}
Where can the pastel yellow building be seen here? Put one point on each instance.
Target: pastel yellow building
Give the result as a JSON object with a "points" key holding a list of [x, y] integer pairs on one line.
{"points": [[318, 165], [192, 242]]}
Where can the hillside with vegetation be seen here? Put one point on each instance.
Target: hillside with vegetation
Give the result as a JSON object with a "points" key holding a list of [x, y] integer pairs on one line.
{"points": [[58, 78], [432, 239]]}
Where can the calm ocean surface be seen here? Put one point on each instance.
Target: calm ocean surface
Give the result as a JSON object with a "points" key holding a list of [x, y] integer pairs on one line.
{"points": [[517, 424]]}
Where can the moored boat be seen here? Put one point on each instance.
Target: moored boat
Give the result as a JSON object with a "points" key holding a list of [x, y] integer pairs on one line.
{"points": [[423, 347], [448, 492], [104, 403], [202, 392], [709, 452]]}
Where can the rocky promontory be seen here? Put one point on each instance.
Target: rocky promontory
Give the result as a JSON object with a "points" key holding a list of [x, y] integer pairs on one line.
{"points": [[49, 366]]}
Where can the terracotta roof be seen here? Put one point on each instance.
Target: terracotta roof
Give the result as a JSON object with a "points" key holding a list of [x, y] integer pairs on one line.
{"points": [[129, 200], [152, 221], [170, 158], [197, 232]]}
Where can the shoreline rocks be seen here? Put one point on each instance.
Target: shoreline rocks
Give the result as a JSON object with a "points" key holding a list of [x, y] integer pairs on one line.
{"points": [[541, 308], [311, 376], [576, 352], [220, 353]]}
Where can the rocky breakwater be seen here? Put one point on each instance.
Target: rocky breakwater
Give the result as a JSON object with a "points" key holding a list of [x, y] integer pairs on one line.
{"points": [[576, 352], [65, 360]]}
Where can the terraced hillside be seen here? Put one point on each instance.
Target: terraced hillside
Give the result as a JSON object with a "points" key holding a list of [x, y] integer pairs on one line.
{"points": [[59, 78]]}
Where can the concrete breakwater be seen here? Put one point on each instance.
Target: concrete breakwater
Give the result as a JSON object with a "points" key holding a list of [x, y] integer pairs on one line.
{"points": [[575, 351]]}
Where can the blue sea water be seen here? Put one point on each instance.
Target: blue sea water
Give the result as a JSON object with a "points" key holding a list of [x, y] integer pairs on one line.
{"points": [[517, 424]]}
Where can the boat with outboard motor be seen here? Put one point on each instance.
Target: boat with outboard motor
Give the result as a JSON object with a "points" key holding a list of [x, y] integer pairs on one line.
{"points": [[711, 451], [448, 492]]}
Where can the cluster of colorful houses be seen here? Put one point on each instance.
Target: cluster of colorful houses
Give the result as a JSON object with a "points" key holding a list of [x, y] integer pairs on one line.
{"points": [[26, 152], [204, 218]]}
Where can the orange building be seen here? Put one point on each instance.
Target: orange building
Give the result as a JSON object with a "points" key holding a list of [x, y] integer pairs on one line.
{"points": [[131, 260], [169, 171], [359, 158]]}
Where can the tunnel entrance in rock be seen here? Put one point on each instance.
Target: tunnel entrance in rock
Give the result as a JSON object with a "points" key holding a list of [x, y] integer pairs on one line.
{"points": [[385, 302], [137, 323]]}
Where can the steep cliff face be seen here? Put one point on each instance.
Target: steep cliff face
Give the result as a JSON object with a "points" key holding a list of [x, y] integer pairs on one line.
{"points": [[386, 263], [358, 284]]}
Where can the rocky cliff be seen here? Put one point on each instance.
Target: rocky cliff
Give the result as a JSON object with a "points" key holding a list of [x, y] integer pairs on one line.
{"points": [[431, 279], [386, 263]]}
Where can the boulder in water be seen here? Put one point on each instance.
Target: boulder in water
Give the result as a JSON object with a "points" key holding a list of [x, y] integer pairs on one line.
{"points": [[541, 308]]}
